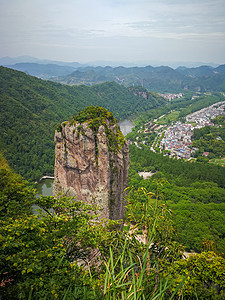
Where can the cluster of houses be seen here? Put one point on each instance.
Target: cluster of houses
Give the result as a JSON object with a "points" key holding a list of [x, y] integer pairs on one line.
{"points": [[177, 138], [170, 96], [204, 116]]}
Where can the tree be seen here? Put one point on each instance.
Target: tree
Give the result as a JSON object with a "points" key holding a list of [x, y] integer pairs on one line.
{"points": [[48, 255], [204, 276], [39, 253]]}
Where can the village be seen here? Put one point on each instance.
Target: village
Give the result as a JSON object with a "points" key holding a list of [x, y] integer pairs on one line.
{"points": [[176, 139]]}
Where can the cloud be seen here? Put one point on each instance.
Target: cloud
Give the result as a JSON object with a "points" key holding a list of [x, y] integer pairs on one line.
{"points": [[122, 25], [177, 20]]}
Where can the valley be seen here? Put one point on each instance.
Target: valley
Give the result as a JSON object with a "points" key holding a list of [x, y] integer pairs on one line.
{"points": [[112, 150], [32, 108], [177, 140]]}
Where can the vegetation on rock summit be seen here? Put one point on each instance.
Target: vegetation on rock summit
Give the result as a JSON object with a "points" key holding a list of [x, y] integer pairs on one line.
{"points": [[97, 116]]}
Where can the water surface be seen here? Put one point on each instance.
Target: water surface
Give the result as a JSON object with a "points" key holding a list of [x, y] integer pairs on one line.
{"points": [[126, 126], [45, 187]]}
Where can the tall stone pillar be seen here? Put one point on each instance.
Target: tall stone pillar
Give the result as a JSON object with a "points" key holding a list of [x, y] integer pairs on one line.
{"points": [[92, 165]]}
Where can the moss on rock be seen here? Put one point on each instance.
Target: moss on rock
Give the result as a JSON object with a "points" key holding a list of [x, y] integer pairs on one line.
{"points": [[96, 116]]}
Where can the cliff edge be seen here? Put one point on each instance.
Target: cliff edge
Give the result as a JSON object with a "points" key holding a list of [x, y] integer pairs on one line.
{"points": [[92, 161]]}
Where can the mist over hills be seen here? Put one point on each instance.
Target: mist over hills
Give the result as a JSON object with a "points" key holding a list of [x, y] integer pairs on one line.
{"points": [[158, 79], [44, 71], [7, 60]]}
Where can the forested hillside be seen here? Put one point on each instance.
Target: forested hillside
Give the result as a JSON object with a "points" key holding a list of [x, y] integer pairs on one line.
{"points": [[48, 256], [181, 206], [194, 191], [31, 108], [211, 139], [158, 79], [45, 256]]}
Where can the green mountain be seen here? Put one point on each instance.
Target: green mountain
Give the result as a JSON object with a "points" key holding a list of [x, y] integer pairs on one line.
{"points": [[31, 108], [157, 79], [194, 191]]}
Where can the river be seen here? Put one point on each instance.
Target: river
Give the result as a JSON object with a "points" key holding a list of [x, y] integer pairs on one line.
{"points": [[45, 187], [126, 126]]}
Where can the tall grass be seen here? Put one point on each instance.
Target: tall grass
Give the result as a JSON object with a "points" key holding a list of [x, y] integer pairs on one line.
{"points": [[140, 277], [128, 282]]}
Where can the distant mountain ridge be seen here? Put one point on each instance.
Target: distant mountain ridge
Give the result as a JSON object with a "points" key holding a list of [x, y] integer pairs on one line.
{"points": [[43, 71], [6, 61], [158, 79]]}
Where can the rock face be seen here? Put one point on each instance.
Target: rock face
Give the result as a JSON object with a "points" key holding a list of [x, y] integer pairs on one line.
{"points": [[89, 169]]}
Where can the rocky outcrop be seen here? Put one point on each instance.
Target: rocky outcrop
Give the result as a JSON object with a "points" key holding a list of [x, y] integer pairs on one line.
{"points": [[90, 168]]}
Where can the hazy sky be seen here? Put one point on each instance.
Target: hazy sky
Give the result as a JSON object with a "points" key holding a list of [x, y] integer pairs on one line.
{"points": [[114, 30]]}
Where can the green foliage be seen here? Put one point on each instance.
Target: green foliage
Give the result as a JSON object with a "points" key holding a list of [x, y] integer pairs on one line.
{"points": [[96, 116], [195, 192], [124, 102], [135, 281], [205, 276], [158, 79], [31, 108], [15, 196], [59, 127], [141, 277], [182, 173], [152, 217], [47, 256], [179, 108], [171, 117], [160, 272], [39, 253], [211, 138], [99, 116], [200, 102], [197, 221]]}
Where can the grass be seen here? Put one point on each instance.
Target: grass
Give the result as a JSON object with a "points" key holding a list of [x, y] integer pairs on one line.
{"points": [[172, 116], [127, 282], [218, 161]]}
